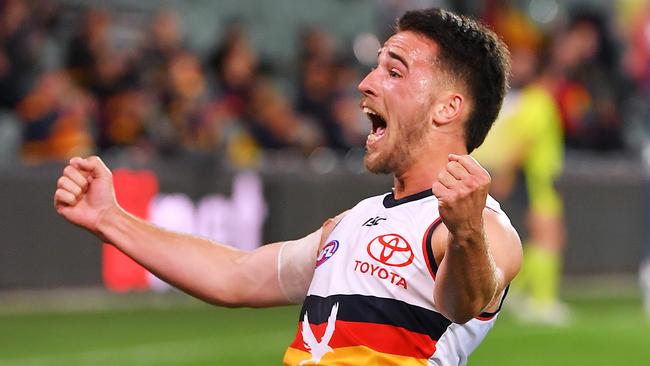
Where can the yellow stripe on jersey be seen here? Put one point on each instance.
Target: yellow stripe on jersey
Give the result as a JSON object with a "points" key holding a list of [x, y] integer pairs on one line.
{"points": [[350, 356]]}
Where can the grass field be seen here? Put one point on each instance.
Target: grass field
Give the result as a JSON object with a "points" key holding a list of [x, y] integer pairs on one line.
{"points": [[607, 330]]}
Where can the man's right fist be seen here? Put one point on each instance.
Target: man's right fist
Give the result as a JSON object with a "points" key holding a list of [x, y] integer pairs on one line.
{"points": [[85, 192]]}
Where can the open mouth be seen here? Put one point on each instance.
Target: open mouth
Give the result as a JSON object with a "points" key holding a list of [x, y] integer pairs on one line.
{"points": [[378, 125]]}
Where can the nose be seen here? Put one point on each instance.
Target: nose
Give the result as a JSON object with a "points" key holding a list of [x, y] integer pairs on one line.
{"points": [[367, 85]]}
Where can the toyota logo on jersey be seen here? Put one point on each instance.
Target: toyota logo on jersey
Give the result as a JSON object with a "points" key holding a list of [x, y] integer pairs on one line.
{"points": [[391, 250]]}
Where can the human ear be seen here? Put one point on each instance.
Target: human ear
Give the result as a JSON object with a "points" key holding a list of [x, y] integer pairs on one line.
{"points": [[448, 108]]}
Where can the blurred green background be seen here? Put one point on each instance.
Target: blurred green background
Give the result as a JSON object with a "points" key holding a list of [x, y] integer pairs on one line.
{"points": [[95, 328]]}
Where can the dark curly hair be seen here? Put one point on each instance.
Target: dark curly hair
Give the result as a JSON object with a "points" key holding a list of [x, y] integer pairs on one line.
{"points": [[472, 53]]}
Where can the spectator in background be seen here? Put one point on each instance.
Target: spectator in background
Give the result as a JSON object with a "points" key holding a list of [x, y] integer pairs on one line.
{"points": [[109, 74], [353, 124], [316, 43], [20, 51], [162, 42], [124, 117], [121, 119], [634, 25], [591, 91], [273, 124], [344, 109], [234, 71], [526, 142], [317, 85], [158, 102], [134, 89], [58, 119], [88, 45], [513, 25], [235, 65], [184, 98], [246, 96], [636, 59]]}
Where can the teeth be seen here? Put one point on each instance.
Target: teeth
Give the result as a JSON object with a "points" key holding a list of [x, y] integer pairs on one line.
{"points": [[367, 110]]}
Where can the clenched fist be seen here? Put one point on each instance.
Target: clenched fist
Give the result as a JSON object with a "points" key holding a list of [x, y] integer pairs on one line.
{"points": [[462, 189], [85, 192]]}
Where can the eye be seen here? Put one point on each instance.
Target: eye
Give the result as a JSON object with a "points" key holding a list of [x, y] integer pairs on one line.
{"points": [[394, 74]]}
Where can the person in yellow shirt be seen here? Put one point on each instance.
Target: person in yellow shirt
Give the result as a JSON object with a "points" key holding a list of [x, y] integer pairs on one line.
{"points": [[527, 141]]}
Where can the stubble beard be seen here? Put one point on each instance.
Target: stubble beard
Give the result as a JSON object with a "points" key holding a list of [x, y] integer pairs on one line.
{"points": [[398, 156], [385, 162]]}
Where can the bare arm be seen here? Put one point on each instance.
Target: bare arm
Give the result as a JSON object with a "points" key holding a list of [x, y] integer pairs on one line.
{"points": [[213, 272], [216, 273], [482, 252]]}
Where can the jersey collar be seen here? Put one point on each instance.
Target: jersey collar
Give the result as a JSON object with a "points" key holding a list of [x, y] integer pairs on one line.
{"points": [[390, 201]]}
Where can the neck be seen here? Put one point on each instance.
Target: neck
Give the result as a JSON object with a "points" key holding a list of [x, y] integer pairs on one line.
{"points": [[421, 174]]}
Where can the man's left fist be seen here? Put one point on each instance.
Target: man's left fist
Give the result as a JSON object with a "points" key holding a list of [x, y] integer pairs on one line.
{"points": [[462, 189]]}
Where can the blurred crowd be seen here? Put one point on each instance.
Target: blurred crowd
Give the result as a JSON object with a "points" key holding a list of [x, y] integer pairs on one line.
{"points": [[79, 92], [162, 97]]}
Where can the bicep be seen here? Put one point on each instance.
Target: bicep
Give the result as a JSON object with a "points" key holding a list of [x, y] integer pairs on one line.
{"points": [[281, 273], [277, 273]]}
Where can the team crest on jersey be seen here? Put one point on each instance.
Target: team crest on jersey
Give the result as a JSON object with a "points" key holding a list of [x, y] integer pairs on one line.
{"points": [[327, 252], [391, 250]]}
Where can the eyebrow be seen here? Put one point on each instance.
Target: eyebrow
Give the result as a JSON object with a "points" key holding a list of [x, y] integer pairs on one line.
{"points": [[395, 56]]}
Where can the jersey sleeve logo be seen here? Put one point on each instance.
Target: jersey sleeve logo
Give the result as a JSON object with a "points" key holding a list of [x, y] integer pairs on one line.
{"points": [[327, 252], [391, 250]]}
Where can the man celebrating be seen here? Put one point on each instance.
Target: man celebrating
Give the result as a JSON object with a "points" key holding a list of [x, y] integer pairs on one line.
{"points": [[415, 276]]}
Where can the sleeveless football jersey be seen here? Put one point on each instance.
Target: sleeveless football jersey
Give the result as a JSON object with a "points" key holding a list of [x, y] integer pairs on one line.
{"points": [[370, 301]]}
